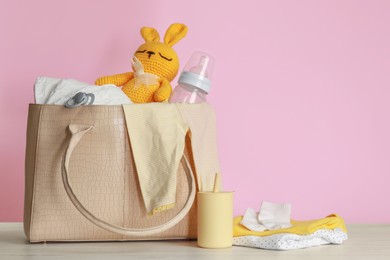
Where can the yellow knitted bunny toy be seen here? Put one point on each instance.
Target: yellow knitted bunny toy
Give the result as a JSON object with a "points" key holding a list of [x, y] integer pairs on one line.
{"points": [[153, 57]]}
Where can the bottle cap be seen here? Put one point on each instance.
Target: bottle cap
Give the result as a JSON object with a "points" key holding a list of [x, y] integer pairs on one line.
{"points": [[198, 70]]}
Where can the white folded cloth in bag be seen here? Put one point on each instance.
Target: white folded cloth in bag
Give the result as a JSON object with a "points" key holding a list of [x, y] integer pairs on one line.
{"points": [[59, 91]]}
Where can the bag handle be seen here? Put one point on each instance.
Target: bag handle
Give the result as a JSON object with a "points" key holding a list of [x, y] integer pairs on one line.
{"points": [[78, 131]]}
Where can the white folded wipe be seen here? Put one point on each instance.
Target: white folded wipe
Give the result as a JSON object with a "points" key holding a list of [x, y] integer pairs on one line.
{"points": [[270, 217], [59, 91], [275, 215]]}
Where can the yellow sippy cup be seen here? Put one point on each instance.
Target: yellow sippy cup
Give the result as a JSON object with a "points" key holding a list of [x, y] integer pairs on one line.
{"points": [[215, 217]]}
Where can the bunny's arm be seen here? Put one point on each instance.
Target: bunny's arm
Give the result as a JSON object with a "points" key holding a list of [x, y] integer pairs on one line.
{"points": [[117, 79], [163, 92]]}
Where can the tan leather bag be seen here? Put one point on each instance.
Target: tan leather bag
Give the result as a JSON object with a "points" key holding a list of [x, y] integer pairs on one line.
{"points": [[81, 182]]}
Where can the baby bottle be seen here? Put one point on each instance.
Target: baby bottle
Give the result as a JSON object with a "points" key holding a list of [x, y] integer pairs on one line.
{"points": [[194, 81]]}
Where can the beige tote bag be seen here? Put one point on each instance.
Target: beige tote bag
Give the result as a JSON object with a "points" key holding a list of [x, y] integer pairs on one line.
{"points": [[81, 182]]}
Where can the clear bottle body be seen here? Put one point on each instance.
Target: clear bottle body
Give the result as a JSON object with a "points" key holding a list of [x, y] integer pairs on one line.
{"points": [[184, 93]]}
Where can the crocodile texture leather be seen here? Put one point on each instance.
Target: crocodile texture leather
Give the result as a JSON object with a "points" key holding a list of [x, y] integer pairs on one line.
{"points": [[102, 174]]}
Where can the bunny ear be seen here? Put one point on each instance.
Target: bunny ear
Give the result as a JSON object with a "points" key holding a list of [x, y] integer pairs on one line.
{"points": [[150, 34], [175, 33]]}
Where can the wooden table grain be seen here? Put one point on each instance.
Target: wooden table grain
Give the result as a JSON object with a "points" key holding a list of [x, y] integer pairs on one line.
{"points": [[365, 242]]}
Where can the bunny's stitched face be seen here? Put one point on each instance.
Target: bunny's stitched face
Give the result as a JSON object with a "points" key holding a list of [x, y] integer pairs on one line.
{"points": [[159, 58]]}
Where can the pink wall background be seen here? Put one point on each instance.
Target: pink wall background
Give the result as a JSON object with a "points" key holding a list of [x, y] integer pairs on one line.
{"points": [[301, 90]]}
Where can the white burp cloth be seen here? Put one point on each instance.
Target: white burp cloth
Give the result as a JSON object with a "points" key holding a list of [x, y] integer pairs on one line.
{"points": [[59, 91], [270, 217]]}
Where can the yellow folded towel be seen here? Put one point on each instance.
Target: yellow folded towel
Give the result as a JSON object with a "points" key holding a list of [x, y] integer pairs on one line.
{"points": [[298, 227]]}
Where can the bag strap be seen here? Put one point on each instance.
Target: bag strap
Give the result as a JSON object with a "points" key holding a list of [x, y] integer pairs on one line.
{"points": [[78, 131]]}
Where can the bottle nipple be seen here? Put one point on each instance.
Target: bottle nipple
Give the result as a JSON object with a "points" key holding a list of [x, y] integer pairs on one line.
{"points": [[198, 71], [201, 68]]}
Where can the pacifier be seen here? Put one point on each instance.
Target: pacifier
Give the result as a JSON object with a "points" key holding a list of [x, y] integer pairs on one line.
{"points": [[80, 99]]}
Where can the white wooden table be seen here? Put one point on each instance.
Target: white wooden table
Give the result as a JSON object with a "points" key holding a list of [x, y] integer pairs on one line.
{"points": [[366, 242]]}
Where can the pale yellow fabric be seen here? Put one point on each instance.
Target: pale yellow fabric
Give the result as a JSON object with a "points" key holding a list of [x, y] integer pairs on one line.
{"points": [[201, 121], [298, 227], [157, 137]]}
